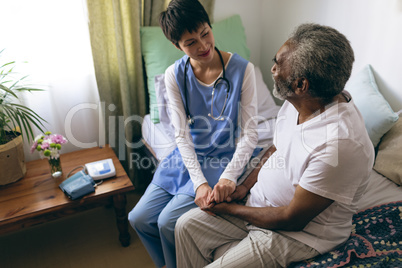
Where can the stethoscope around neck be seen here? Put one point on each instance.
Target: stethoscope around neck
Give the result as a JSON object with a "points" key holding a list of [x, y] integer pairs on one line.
{"points": [[222, 79]]}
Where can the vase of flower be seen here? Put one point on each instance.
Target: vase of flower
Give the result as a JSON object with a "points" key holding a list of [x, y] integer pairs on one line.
{"points": [[55, 167], [49, 146]]}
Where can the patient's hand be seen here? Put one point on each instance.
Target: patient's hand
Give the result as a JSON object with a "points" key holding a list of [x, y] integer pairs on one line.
{"points": [[202, 194], [239, 194], [222, 190], [221, 208]]}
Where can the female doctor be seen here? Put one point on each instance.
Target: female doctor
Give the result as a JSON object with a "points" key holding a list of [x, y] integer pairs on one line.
{"points": [[213, 104]]}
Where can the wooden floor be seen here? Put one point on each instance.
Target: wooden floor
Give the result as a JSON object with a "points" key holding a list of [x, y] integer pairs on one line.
{"points": [[88, 239]]}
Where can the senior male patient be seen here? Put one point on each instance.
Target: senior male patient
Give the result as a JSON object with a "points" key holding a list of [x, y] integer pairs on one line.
{"points": [[303, 196]]}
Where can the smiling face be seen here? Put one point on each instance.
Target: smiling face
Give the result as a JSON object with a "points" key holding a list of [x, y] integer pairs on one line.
{"points": [[199, 45], [281, 73]]}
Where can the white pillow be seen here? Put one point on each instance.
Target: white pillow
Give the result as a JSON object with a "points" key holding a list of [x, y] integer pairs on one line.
{"points": [[162, 102], [377, 113]]}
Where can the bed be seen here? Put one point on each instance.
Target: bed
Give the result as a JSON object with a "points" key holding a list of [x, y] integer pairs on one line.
{"points": [[376, 238]]}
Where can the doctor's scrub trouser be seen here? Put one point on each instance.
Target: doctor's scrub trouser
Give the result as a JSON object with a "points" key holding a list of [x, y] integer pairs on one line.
{"points": [[154, 218]]}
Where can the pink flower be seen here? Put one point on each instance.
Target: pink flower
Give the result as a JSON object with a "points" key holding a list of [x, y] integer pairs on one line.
{"points": [[48, 145], [57, 138], [45, 146], [34, 145]]}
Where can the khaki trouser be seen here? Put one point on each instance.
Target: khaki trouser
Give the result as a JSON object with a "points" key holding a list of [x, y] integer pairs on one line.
{"points": [[198, 234]]}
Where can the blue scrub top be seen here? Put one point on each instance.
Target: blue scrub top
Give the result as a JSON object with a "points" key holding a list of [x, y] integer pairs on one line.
{"points": [[214, 140]]}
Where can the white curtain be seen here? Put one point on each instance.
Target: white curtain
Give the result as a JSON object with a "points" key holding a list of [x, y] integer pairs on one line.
{"points": [[52, 37]]}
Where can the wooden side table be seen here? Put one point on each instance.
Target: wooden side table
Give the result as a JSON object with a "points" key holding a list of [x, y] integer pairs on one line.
{"points": [[37, 198]]}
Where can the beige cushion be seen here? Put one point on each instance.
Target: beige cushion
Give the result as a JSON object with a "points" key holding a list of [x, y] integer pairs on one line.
{"points": [[389, 158]]}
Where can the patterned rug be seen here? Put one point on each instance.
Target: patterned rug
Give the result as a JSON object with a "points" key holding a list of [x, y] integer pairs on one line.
{"points": [[375, 241]]}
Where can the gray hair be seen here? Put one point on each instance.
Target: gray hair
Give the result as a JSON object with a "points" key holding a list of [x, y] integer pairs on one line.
{"points": [[323, 56]]}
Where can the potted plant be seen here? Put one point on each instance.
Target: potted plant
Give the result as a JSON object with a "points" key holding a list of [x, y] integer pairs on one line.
{"points": [[15, 122]]}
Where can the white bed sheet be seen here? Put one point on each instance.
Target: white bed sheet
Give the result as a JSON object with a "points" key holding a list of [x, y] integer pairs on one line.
{"points": [[380, 190]]}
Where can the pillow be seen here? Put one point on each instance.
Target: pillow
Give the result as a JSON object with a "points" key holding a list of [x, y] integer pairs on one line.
{"points": [[159, 53], [162, 105], [377, 114], [389, 157], [230, 36]]}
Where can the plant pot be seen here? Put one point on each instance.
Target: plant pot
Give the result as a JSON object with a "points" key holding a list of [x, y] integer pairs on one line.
{"points": [[12, 161]]}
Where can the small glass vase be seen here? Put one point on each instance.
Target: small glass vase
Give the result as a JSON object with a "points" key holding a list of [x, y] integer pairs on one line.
{"points": [[55, 167]]}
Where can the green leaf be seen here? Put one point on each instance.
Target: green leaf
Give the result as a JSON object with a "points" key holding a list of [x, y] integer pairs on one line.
{"points": [[13, 115], [20, 89], [9, 91], [8, 63], [24, 124], [16, 82], [32, 113], [29, 119], [22, 116]]}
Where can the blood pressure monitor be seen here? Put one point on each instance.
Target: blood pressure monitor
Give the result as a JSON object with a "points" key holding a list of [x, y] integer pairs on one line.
{"points": [[100, 170]]}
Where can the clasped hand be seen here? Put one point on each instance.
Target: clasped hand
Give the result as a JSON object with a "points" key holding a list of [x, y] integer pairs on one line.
{"points": [[225, 190]]}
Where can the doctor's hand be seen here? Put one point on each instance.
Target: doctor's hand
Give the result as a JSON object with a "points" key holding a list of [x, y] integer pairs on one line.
{"points": [[222, 190], [202, 194]]}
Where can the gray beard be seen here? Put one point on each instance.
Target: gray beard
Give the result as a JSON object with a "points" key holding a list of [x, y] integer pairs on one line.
{"points": [[277, 94], [281, 89]]}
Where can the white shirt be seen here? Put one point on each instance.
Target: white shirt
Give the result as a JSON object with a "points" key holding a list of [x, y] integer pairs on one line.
{"points": [[330, 155], [246, 143]]}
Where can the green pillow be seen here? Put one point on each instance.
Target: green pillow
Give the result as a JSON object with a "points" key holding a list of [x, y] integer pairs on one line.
{"points": [[159, 53], [377, 113]]}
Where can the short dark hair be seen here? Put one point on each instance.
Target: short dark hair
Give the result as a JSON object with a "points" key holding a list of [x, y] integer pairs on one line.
{"points": [[322, 55], [181, 16]]}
